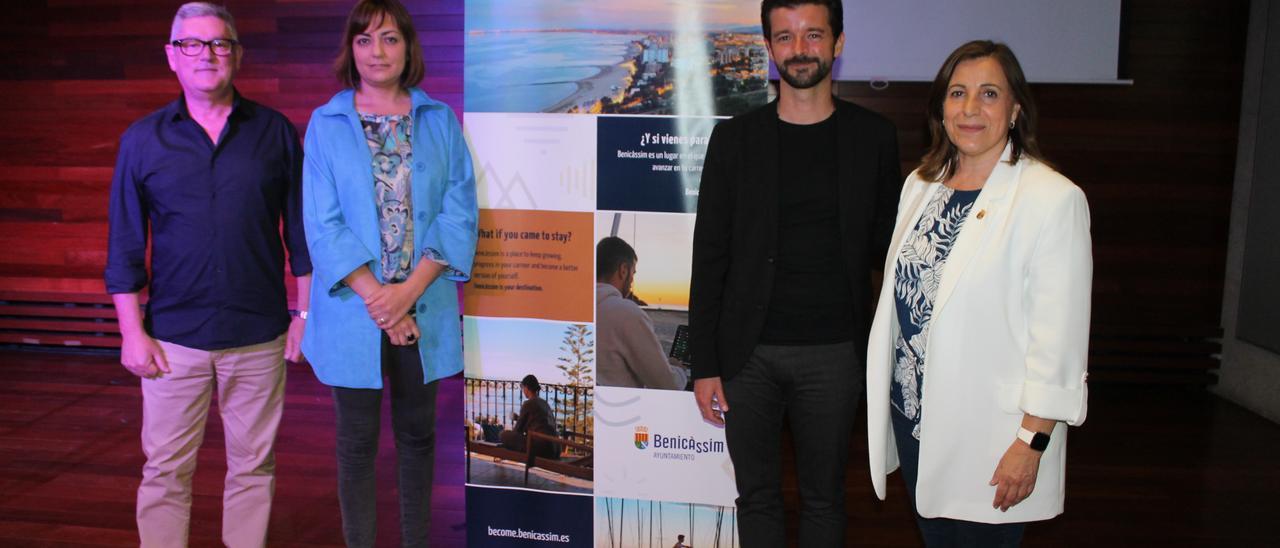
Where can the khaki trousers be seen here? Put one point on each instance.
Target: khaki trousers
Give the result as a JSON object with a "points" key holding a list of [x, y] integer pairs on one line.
{"points": [[250, 385]]}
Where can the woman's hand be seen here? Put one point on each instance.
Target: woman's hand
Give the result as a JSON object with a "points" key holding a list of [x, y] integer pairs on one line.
{"points": [[389, 302], [404, 332], [1015, 476]]}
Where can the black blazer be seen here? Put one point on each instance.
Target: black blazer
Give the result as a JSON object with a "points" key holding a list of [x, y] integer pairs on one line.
{"points": [[735, 237]]}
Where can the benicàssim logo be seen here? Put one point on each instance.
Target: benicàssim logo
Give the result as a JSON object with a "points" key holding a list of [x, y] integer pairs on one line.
{"points": [[642, 437]]}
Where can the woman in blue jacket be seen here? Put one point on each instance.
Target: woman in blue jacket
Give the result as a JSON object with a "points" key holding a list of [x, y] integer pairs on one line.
{"points": [[390, 214]]}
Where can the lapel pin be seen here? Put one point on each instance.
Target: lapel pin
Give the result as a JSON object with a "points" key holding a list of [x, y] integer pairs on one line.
{"points": [[982, 213]]}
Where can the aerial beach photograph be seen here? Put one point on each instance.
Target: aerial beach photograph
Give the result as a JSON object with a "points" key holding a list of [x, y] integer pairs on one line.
{"points": [[611, 57]]}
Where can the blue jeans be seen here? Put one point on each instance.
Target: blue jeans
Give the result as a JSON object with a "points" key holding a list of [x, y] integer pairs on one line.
{"points": [[945, 532], [413, 418]]}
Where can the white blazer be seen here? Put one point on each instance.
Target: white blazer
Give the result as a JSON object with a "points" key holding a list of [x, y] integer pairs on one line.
{"points": [[1009, 335]]}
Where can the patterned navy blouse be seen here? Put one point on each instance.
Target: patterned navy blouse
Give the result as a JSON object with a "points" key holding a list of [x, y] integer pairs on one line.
{"points": [[917, 274]]}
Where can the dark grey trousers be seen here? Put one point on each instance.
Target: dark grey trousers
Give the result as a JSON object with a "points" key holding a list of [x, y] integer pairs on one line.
{"points": [[816, 388], [413, 417]]}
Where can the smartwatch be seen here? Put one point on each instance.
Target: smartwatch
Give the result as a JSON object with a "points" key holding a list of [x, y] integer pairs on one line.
{"points": [[1039, 441], [302, 314]]}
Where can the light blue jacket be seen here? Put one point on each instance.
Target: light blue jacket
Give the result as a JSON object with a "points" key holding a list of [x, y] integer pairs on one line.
{"points": [[341, 219]]}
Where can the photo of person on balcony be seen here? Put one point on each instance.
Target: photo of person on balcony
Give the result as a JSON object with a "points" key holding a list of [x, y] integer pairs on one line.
{"points": [[535, 416], [532, 381], [629, 352]]}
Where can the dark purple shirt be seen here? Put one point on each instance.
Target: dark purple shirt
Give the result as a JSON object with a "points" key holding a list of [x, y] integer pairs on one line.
{"points": [[214, 214]]}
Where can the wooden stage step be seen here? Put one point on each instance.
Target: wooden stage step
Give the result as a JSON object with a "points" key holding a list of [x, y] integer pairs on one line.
{"points": [[58, 318]]}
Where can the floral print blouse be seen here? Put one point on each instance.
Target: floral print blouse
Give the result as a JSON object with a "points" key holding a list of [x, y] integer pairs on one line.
{"points": [[917, 275], [390, 138]]}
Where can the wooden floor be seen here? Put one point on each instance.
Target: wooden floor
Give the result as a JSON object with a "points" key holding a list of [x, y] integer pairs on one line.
{"points": [[1153, 466], [70, 460]]}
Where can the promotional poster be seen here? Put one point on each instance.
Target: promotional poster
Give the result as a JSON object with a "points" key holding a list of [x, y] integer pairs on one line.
{"points": [[587, 123]]}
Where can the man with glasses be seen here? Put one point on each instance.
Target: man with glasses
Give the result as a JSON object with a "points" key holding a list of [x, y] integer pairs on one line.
{"points": [[210, 178]]}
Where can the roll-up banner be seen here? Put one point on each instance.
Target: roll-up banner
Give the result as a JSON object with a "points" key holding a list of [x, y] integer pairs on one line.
{"points": [[589, 120]]}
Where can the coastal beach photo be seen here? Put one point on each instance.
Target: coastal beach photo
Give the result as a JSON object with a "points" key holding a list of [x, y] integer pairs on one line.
{"points": [[635, 523], [528, 403], [614, 57]]}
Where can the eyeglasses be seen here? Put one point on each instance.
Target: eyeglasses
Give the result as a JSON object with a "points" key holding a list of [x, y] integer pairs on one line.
{"points": [[194, 46]]}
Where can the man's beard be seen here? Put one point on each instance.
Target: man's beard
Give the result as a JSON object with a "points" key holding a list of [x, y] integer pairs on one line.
{"points": [[809, 79]]}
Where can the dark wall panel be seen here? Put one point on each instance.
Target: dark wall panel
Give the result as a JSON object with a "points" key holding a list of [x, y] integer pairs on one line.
{"points": [[77, 72], [1156, 158], [1259, 318]]}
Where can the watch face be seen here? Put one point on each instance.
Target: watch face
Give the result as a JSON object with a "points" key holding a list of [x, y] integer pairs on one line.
{"points": [[1040, 441]]}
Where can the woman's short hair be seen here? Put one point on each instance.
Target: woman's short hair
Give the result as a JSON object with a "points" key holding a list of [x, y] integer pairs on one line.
{"points": [[939, 162], [371, 12], [531, 382]]}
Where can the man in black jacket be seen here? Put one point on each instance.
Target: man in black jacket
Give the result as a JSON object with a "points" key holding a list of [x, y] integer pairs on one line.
{"points": [[796, 207]]}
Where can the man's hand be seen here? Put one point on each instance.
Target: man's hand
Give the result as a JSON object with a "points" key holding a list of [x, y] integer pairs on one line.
{"points": [[404, 332], [709, 393], [142, 356], [1015, 476], [293, 340], [390, 302]]}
